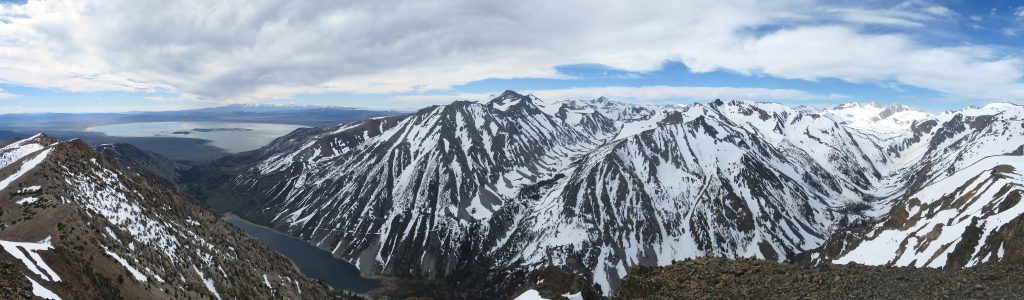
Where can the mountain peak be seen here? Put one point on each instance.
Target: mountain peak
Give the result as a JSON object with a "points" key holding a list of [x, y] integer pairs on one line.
{"points": [[999, 105], [870, 104], [42, 137], [509, 94], [894, 109], [508, 99]]}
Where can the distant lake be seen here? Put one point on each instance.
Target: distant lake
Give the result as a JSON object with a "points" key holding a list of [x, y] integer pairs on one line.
{"points": [[231, 136], [312, 261]]}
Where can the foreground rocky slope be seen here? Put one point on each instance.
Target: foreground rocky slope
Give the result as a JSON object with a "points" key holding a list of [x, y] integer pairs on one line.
{"points": [[721, 278], [75, 224], [478, 194]]}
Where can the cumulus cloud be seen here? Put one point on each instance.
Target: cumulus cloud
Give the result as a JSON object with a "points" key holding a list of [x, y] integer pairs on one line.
{"points": [[250, 49]]}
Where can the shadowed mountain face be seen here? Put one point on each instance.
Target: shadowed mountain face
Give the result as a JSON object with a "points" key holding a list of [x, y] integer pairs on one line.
{"points": [[148, 163], [79, 224], [480, 194]]}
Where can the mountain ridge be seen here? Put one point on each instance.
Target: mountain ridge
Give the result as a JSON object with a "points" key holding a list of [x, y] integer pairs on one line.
{"points": [[594, 186], [80, 224]]}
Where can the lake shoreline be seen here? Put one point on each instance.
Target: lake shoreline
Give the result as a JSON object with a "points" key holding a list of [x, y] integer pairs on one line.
{"points": [[363, 284]]}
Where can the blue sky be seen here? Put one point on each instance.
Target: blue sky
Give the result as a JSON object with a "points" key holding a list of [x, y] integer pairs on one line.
{"points": [[89, 56]]}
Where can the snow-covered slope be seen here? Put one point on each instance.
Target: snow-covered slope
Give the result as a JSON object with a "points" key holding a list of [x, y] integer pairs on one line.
{"points": [[876, 119], [402, 195], [729, 179], [962, 220], [84, 226], [960, 205], [482, 193]]}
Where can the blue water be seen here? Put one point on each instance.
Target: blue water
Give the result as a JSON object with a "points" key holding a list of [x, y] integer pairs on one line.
{"points": [[312, 261]]}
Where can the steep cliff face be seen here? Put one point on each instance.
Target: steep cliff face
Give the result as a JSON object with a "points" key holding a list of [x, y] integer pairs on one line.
{"points": [[82, 225]]}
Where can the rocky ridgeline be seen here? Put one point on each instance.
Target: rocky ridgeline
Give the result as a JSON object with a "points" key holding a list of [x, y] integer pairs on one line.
{"points": [[81, 225], [720, 278]]}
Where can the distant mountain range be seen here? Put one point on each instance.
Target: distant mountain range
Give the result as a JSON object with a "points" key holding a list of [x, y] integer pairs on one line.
{"points": [[479, 194], [306, 115], [181, 147], [476, 198]]}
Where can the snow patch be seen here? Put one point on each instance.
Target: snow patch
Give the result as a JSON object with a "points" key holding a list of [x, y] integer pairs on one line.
{"points": [[33, 261], [208, 282], [530, 294], [27, 200], [267, 282], [135, 272], [41, 291], [25, 167], [31, 189]]}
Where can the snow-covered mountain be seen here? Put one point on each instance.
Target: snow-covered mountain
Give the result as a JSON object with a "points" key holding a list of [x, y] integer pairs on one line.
{"points": [[75, 224], [960, 206], [874, 118], [479, 194]]}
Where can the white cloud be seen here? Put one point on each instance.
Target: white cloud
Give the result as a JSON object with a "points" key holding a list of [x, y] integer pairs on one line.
{"points": [[864, 16], [941, 11], [6, 95], [251, 49], [682, 94], [803, 53], [642, 94], [913, 14]]}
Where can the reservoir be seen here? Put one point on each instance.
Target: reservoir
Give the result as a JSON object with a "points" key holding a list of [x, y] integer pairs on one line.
{"points": [[312, 261], [233, 137]]}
